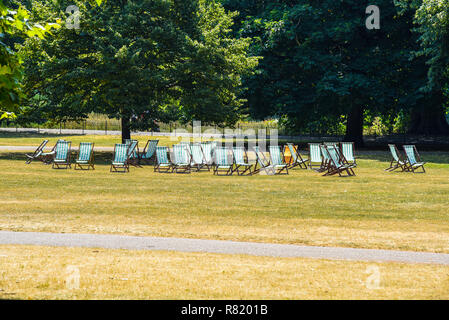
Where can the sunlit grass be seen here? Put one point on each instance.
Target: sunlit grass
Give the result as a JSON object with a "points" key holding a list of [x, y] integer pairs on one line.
{"points": [[375, 209], [28, 272]]}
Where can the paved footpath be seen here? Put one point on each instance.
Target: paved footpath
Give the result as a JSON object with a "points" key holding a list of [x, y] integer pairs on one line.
{"points": [[218, 246]]}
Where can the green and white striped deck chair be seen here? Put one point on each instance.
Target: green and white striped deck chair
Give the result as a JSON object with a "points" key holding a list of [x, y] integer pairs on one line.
{"points": [[297, 160], [162, 163], [208, 153], [347, 149], [336, 163], [133, 151], [397, 160], [85, 159], [37, 155], [262, 163], [239, 155], [47, 157], [62, 155], [277, 160], [413, 159], [198, 159], [222, 167], [315, 158], [181, 161], [149, 151], [120, 162]]}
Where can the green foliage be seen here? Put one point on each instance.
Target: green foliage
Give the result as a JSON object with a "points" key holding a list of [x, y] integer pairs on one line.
{"points": [[15, 25], [138, 60]]}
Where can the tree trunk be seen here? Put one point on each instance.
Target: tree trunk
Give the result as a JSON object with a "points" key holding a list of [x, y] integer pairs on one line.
{"points": [[429, 117], [354, 126], [126, 131]]}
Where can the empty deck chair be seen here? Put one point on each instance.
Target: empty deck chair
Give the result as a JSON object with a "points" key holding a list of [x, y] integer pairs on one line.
{"points": [[163, 164], [198, 159], [397, 160], [181, 161], [262, 163], [347, 149], [326, 158], [208, 151], [120, 162], [315, 159], [413, 159], [61, 158], [336, 164], [239, 155], [149, 151], [222, 165], [133, 152], [277, 160], [37, 155], [85, 159], [296, 160]]}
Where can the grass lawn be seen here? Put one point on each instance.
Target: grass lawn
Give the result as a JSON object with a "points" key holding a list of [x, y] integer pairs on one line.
{"points": [[375, 209], [28, 272]]}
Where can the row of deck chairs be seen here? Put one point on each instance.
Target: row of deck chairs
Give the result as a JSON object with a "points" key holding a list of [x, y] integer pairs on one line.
{"points": [[60, 155], [332, 158], [408, 163]]}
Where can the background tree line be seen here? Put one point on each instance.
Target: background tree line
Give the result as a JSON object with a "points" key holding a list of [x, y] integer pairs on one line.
{"points": [[312, 64]]}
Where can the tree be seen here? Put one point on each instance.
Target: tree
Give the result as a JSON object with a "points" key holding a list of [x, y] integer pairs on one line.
{"points": [[15, 26], [134, 59], [320, 62], [432, 18]]}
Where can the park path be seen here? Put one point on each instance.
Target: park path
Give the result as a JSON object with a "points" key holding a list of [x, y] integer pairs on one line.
{"points": [[217, 246]]}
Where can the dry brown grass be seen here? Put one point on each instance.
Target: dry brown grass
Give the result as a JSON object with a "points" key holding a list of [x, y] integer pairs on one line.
{"points": [[28, 272]]}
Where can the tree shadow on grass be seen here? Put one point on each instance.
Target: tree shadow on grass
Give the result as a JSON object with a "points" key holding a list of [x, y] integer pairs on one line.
{"points": [[21, 135], [100, 158]]}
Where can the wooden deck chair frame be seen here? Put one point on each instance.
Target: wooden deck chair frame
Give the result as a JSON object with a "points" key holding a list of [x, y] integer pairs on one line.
{"points": [[181, 166], [336, 164], [89, 162], [37, 154], [278, 165], [208, 153], [416, 160], [297, 160], [196, 150], [239, 155], [65, 162], [222, 168], [325, 156], [120, 166], [163, 163], [344, 147], [133, 152], [150, 146], [262, 163], [312, 155], [47, 157], [397, 160]]}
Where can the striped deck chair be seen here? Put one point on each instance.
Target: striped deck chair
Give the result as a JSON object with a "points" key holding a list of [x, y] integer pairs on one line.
{"points": [[222, 167], [336, 163], [198, 159], [181, 161], [208, 152], [277, 160], [120, 162], [162, 164], [149, 151], [37, 155], [85, 159], [262, 163], [397, 160], [61, 158], [413, 159], [47, 157], [326, 158], [297, 160], [347, 149], [133, 151], [315, 158], [239, 154]]}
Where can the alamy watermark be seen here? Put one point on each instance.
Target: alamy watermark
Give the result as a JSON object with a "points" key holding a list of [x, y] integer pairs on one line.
{"points": [[73, 20], [373, 20], [72, 280]]}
